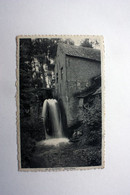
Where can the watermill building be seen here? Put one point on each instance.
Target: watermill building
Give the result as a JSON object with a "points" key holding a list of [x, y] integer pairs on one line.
{"points": [[75, 69]]}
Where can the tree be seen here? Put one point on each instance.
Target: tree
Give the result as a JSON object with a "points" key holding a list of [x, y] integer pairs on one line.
{"points": [[45, 47], [94, 43], [44, 50], [86, 43], [25, 76], [68, 41]]}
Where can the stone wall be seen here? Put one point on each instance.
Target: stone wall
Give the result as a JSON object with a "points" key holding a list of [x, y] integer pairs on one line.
{"points": [[79, 74], [82, 70], [60, 63]]}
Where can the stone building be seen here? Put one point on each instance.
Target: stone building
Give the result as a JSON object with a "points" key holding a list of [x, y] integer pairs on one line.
{"points": [[75, 67]]}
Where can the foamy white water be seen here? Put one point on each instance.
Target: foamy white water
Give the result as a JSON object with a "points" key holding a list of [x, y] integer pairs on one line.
{"points": [[54, 141]]}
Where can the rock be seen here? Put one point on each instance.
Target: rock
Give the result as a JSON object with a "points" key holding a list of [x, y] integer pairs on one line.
{"points": [[79, 133], [74, 135]]}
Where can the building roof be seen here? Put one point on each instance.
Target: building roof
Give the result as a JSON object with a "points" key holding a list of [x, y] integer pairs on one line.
{"points": [[82, 52]]}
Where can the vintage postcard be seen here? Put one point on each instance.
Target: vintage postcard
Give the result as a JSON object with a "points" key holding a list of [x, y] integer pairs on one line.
{"points": [[60, 102]]}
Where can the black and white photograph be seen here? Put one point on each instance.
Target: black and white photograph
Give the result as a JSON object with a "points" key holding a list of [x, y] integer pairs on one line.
{"points": [[64, 97], [60, 102]]}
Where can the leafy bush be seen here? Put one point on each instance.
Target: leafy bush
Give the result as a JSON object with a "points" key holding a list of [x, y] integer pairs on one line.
{"points": [[91, 126], [92, 112], [27, 149], [92, 116], [31, 131]]}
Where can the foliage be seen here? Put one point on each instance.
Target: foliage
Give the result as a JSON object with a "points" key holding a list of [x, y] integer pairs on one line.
{"points": [[92, 114], [45, 47], [68, 41], [27, 150], [92, 117], [89, 133], [66, 155], [86, 43], [25, 75], [90, 43], [32, 131]]}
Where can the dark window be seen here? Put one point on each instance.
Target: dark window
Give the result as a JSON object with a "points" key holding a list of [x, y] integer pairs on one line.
{"points": [[62, 73], [57, 77]]}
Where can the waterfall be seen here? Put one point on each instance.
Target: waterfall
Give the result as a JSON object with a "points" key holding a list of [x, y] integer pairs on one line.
{"points": [[52, 119]]}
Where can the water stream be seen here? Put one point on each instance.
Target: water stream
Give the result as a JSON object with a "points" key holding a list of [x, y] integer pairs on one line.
{"points": [[52, 123]]}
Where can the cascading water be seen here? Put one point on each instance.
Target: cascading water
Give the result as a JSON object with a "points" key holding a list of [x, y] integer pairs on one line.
{"points": [[52, 122]]}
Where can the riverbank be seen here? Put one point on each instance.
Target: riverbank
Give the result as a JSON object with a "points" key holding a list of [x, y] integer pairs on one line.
{"points": [[65, 155]]}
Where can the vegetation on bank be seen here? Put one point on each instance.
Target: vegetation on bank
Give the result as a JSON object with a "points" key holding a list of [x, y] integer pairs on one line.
{"points": [[89, 133]]}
